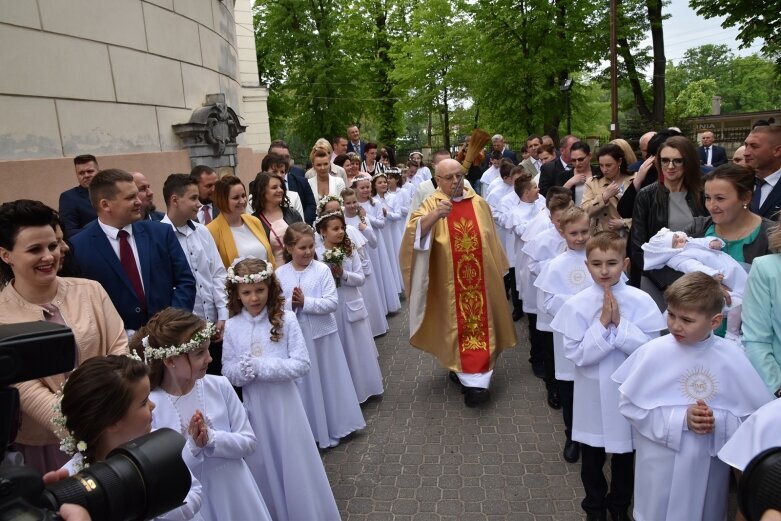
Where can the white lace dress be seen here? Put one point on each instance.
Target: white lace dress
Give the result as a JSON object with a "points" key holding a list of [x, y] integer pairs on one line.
{"points": [[286, 464]]}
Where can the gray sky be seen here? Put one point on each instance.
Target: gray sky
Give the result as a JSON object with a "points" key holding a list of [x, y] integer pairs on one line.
{"points": [[685, 29]]}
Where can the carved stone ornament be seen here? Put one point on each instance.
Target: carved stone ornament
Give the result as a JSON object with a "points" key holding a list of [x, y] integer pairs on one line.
{"points": [[211, 133]]}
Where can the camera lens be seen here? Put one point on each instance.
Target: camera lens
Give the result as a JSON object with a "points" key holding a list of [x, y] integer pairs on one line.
{"points": [[138, 480], [760, 486]]}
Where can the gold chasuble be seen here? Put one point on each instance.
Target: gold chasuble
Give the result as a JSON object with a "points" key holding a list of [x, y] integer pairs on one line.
{"points": [[455, 289]]}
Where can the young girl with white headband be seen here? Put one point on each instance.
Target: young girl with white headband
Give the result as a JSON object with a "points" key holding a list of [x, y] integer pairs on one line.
{"points": [[205, 409], [264, 354]]}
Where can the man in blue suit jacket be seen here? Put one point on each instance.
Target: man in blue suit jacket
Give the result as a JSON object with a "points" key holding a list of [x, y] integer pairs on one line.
{"points": [[165, 275], [763, 154], [710, 154], [76, 211], [355, 143]]}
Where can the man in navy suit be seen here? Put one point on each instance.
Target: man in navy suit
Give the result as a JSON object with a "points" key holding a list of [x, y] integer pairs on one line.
{"points": [[146, 196], [295, 179], [355, 144], [763, 153], [710, 154], [206, 178], [76, 211], [139, 263], [555, 169]]}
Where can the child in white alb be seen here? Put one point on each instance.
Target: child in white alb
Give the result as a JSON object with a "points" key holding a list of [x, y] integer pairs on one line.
{"points": [[205, 409], [685, 394], [265, 353], [327, 390], [602, 325]]}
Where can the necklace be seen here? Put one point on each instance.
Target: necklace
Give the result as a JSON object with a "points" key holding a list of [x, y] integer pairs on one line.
{"points": [[741, 233], [200, 405]]}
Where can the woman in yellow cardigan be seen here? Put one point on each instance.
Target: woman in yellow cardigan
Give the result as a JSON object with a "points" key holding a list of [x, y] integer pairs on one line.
{"points": [[237, 233]]}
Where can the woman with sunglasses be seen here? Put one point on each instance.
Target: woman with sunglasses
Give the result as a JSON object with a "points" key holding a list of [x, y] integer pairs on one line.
{"points": [[671, 202]]}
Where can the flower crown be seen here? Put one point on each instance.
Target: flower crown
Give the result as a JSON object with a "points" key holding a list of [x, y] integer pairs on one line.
{"points": [[252, 277], [363, 176], [68, 442], [161, 353], [380, 174], [326, 216], [327, 199]]}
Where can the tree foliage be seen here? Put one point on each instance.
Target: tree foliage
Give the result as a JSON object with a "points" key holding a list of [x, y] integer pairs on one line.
{"points": [[756, 21]]}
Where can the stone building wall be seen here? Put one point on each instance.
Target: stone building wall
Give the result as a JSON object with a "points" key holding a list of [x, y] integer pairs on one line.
{"points": [[110, 78]]}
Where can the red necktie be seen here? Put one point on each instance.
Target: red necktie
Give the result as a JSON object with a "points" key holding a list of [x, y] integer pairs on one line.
{"points": [[207, 218], [128, 261]]}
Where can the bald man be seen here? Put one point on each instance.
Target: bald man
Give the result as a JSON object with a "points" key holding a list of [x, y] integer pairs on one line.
{"points": [[453, 266], [710, 154], [146, 196], [644, 140]]}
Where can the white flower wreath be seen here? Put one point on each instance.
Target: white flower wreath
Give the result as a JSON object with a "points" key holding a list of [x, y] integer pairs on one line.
{"points": [[161, 353], [327, 199], [325, 216], [252, 277], [68, 442]]}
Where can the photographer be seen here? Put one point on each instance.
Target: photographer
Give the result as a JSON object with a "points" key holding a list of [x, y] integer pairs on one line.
{"points": [[29, 258]]}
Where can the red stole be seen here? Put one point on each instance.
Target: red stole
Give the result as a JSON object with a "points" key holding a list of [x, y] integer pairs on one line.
{"points": [[471, 300]]}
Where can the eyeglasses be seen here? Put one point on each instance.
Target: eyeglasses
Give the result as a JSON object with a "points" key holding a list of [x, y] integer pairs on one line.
{"points": [[579, 159], [675, 161]]}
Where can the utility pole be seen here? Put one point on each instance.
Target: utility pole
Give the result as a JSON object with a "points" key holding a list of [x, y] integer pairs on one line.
{"points": [[613, 72]]}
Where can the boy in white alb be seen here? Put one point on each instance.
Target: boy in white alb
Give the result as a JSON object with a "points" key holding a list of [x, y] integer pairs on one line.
{"points": [[685, 394], [540, 227], [559, 279], [602, 325]]}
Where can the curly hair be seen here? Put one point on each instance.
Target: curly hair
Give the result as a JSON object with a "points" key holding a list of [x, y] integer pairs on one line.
{"points": [[275, 303], [347, 244], [262, 181], [97, 395], [169, 327]]}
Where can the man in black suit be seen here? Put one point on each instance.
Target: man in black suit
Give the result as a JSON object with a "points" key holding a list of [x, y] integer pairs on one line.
{"points": [[763, 153], [76, 210], [556, 168], [710, 154], [355, 144], [295, 180], [146, 196], [498, 143], [206, 178]]}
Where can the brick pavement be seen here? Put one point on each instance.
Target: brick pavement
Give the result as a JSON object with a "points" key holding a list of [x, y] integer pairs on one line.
{"points": [[424, 456]]}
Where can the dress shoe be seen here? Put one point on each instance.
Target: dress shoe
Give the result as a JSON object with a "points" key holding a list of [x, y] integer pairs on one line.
{"points": [[517, 314], [620, 515], [538, 368], [554, 399], [596, 516], [474, 396], [571, 451], [454, 378]]}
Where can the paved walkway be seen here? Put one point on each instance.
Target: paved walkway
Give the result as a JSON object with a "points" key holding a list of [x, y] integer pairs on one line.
{"points": [[424, 456]]}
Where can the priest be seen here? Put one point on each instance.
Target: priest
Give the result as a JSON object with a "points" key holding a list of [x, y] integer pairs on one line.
{"points": [[453, 267]]}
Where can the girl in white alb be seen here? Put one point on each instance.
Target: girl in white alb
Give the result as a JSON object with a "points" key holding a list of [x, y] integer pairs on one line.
{"points": [[351, 315], [206, 410], [393, 219], [398, 200], [364, 214], [376, 214], [327, 390], [264, 354]]}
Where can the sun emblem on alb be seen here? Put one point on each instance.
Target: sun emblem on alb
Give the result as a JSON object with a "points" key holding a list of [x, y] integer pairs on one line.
{"points": [[577, 277], [699, 384]]}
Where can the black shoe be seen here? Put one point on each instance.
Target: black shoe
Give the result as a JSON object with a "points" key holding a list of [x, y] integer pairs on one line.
{"points": [[554, 399], [517, 314], [474, 396], [596, 516], [454, 378], [620, 515], [571, 451], [538, 368]]}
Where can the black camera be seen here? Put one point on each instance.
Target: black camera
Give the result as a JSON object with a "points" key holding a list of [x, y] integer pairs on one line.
{"points": [[139, 480], [760, 485]]}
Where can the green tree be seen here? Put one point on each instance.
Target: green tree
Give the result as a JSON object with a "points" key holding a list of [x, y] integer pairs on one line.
{"points": [[756, 21]]}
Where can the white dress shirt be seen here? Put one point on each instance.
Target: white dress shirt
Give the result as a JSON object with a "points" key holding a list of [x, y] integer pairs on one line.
{"points": [[211, 300], [210, 208], [113, 240], [769, 184]]}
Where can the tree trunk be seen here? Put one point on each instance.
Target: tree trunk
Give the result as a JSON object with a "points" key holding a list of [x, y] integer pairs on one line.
{"points": [[660, 63], [445, 121]]}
